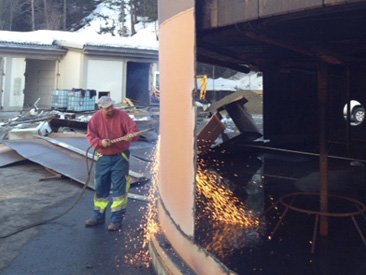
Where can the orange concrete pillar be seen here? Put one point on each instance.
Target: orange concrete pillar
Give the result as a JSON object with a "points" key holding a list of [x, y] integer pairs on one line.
{"points": [[177, 169]]}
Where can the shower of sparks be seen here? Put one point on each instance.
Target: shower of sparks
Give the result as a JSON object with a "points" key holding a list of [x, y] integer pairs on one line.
{"points": [[221, 202], [149, 226], [152, 227], [228, 215]]}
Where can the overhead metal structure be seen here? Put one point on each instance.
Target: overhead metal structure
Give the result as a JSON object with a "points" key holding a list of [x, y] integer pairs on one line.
{"points": [[312, 56], [309, 52], [282, 34]]}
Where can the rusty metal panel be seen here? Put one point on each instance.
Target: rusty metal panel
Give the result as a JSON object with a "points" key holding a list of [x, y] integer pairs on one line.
{"points": [[275, 7], [234, 11], [210, 132]]}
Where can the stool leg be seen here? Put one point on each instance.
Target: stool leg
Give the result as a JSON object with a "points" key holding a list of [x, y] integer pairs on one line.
{"points": [[279, 222], [363, 213], [315, 233], [359, 230], [268, 209], [284, 213]]}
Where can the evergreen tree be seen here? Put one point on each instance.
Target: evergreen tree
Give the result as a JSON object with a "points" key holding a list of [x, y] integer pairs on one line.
{"points": [[27, 15], [147, 9], [114, 28]]}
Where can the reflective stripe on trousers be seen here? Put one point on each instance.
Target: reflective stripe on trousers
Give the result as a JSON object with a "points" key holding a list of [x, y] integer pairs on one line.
{"points": [[111, 171], [100, 204]]}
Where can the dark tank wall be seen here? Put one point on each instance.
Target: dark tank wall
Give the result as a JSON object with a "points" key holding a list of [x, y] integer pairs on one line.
{"points": [[290, 106]]}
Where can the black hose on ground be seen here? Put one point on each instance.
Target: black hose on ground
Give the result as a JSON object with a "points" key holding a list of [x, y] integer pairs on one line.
{"points": [[89, 168]]}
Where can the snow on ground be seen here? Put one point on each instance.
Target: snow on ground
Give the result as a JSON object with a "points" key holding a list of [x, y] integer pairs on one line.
{"points": [[106, 16], [145, 38], [240, 81]]}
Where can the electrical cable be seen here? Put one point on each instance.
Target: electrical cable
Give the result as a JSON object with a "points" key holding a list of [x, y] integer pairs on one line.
{"points": [[89, 168]]}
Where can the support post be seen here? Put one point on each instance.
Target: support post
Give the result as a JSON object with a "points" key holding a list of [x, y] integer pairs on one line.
{"points": [[348, 124], [323, 160]]}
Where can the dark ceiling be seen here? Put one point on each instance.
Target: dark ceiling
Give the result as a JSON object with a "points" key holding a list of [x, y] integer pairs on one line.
{"points": [[336, 35]]}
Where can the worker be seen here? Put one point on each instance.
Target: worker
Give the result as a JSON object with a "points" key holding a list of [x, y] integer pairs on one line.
{"points": [[112, 164]]}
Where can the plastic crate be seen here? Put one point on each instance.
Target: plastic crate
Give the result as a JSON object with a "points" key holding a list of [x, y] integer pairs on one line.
{"points": [[81, 100], [60, 99]]}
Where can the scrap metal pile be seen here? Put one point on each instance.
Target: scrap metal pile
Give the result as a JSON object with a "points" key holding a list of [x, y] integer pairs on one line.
{"points": [[57, 140]]}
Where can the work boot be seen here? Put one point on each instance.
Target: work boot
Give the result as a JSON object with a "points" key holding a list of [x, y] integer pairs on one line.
{"points": [[93, 222], [114, 226]]}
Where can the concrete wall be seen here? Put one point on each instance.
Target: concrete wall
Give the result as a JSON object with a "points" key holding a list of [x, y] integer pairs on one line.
{"points": [[177, 162], [2, 77], [105, 75], [71, 70], [13, 84]]}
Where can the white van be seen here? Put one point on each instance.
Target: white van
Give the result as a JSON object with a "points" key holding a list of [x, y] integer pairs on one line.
{"points": [[357, 112]]}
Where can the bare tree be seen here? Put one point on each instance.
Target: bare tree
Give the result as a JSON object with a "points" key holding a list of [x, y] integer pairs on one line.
{"points": [[33, 17], [133, 16], [45, 14], [11, 16], [6, 14], [64, 15], [122, 31]]}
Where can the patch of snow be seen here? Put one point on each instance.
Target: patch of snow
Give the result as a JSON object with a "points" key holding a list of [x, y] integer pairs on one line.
{"points": [[240, 81]]}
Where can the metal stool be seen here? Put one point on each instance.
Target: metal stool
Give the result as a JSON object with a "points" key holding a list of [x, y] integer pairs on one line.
{"points": [[288, 199]]}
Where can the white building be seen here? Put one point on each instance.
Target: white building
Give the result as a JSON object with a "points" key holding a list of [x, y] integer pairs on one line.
{"points": [[33, 64]]}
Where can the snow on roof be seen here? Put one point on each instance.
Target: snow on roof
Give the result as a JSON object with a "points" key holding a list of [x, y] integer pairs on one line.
{"points": [[25, 38], [144, 39], [47, 38]]}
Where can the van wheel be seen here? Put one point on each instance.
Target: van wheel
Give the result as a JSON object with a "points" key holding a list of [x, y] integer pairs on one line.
{"points": [[359, 114]]}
